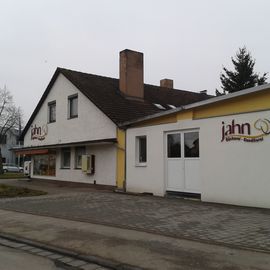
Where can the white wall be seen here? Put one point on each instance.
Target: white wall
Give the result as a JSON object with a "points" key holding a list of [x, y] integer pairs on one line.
{"points": [[105, 167], [91, 123], [234, 172], [150, 178]]}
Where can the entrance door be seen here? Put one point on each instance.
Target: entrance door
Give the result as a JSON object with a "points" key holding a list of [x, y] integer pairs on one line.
{"points": [[182, 161]]}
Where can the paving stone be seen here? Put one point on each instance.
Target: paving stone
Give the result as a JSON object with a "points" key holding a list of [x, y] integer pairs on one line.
{"points": [[55, 256], [77, 263], [66, 259], [45, 253], [4, 242], [90, 266], [26, 247], [35, 250], [15, 244], [239, 226]]}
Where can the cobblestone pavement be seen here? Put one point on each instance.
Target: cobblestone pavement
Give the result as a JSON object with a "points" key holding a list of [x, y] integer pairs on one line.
{"points": [[222, 224]]}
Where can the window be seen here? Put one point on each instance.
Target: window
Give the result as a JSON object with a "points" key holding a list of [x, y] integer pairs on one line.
{"points": [[191, 144], [65, 158], [3, 139], [52, 112], [44, 165], [141, 149], [73, 106], [79, 151], [174, 145], [159, 106]]}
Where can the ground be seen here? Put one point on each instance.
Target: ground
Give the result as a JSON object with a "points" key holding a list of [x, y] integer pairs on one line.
{"points": [[12, 259], [150, 232]]}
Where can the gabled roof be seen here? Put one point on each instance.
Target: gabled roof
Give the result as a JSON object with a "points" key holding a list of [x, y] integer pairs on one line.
{"points": [[105, 94]]}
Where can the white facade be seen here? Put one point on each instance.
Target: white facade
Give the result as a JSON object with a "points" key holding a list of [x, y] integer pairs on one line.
{"points": [[105, 156], [90, 125], [233, 172]]}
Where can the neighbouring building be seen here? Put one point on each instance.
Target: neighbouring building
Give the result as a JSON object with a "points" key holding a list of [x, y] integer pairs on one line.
{"points": [[75, 134], [217, 149], [7, 142]]}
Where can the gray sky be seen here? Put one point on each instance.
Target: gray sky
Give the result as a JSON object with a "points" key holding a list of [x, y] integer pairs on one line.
{"points": [[187, 41]]}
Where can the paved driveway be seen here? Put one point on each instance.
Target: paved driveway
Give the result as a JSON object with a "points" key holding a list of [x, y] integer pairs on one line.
{"points": [[237, 226]]}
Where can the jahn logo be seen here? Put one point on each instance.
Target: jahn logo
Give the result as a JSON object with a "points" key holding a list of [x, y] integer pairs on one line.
{"points": [[39, 133], [243, 132]]}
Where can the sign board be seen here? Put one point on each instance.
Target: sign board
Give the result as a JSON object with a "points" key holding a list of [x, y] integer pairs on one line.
{"points": [[247, 132], [39, 133]]}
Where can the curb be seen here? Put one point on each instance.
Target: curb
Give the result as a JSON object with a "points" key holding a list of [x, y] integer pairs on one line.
{"points": [[88, 258]]}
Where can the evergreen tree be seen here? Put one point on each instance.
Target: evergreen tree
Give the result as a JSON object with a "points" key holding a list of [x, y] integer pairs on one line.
{"points": [[243, 75]]}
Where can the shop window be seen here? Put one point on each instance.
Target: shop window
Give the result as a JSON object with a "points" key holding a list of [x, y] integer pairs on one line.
{"points": [[65, 158], [174, 145], [52, 111], [141, 145], [73, 106], [44, 165], [191, 144], [79, 151]]}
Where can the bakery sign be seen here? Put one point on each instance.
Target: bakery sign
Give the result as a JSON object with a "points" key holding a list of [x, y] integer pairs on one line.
{"points": [[247, 132], [39, 132]]}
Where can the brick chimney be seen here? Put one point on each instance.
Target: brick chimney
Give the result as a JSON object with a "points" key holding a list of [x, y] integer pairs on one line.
{"points": [[131, 74], [166, 83]]}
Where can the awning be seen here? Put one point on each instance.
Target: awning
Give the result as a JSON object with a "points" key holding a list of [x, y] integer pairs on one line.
{"points": [[45, 149], [32, 152]]}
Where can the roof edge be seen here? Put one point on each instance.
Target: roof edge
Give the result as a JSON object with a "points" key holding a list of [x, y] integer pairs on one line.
{"points": [[43, 97]]}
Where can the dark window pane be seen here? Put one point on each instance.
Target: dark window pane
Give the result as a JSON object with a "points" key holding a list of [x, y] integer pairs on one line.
{"points": [[66, 158], [79, 151], [142, 149], [174, 145], [73, 106], [52, 112], [191, 144], [3, 139]]}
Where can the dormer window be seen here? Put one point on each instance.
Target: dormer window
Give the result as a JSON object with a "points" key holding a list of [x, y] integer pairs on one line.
{"points": [[159, 106], [73, 106]]}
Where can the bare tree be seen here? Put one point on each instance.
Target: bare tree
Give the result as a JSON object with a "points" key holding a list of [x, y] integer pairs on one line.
{"points": [[10, 117]]}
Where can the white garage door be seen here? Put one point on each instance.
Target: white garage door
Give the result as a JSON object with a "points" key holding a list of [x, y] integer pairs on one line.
{"points": [[183, 161]]}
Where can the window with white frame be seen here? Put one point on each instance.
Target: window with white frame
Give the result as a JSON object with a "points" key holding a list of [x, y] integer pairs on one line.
{"points": [[141, 150], [65, 158], [52, 112], [73, 106], [79, 151]]}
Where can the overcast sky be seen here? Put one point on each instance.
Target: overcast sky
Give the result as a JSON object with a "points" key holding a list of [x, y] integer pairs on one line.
{"points": [[187, 41]]}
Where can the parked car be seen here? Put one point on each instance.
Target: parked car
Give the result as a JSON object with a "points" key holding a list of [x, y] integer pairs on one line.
{"points": [[11, 168]]}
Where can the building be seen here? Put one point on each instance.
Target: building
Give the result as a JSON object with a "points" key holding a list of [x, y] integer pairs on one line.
{"points": [[74, 132], [217, 149], [7, 142]]}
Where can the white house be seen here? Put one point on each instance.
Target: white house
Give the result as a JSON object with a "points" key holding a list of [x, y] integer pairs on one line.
{"points": [[217, 149], [74, 133]]}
